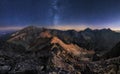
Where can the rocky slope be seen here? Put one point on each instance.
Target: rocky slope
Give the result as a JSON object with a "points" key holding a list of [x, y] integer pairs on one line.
{"points": [[99, 40], [39, 52], [35, 50], [114, 52]]}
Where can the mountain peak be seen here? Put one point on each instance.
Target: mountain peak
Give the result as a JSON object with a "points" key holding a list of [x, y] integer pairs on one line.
{"points": [[88, 29], [108, 29], [30, 27]]}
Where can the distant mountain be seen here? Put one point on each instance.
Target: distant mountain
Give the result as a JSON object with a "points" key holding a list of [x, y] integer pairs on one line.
{"points": [[4, 32], [98, 40], [4, 36]]}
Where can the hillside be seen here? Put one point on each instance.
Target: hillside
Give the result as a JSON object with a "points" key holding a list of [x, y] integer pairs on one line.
{"points": [[35, 50], [114, 52]]}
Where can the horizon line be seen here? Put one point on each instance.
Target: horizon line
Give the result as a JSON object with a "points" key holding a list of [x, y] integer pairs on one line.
{"points": [[63, 27]]}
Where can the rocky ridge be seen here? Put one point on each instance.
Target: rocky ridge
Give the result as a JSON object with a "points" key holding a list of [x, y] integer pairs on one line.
{"points": [[35, 50]]}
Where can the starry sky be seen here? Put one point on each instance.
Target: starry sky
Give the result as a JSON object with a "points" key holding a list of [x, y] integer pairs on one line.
{"points": [[67, 14]]}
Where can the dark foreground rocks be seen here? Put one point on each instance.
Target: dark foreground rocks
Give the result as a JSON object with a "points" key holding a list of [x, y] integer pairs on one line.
{"points": [[52, 63]]}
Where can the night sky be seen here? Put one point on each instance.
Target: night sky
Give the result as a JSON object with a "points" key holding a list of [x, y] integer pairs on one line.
{"points": [[76, 14]]}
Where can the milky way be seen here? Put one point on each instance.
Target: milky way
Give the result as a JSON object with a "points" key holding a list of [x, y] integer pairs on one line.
{"points": [[85, 13], [55, 10]]}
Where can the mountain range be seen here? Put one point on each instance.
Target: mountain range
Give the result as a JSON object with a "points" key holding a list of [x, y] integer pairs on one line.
{"points": [[36, 50]]}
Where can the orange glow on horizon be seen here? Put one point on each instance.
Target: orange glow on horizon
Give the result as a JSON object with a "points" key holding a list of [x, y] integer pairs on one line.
{"points": [[62, 27], [75, 27]]}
